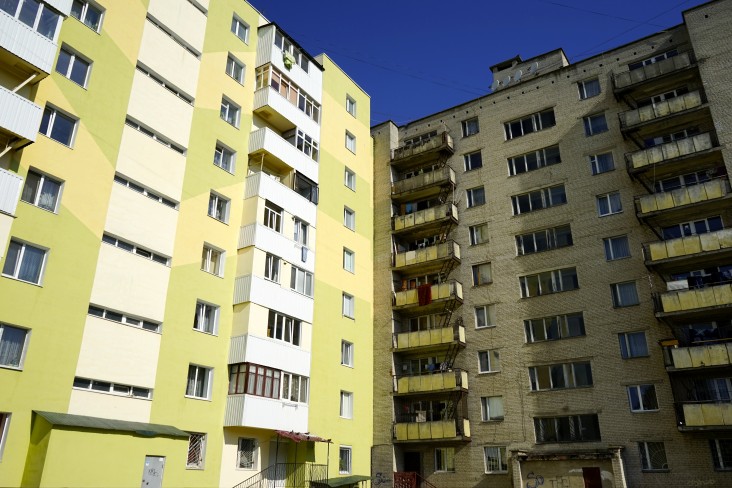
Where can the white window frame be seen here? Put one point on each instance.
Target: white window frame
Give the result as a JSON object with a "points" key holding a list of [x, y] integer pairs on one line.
{"points": [[532, 122], [53, 114], [302, 232], [218, 207], [273, 215], [492, 356], [547, 197], [610, 244], [714, 445], [43, 178], [582, 86], [123, 318], [610, 198], [346, 405], [485, 409], [349, 179], [555, 278], [229, 109], [306, 281], [347, 353], [135, 249], [224, 157], [201, 323], [200, 461], [500, 454], [349, 260], [109, 388], [617, 298], [74, 57], [556, 324], [4, 428], [472, 196], [488, 312], [590, 120], [85, 6], [350, 105], [638, 391], [534, 160], [281, 327], [345, 453], [207, 263], [232, 66], [351, 142], [237, 26], [565, 374], [645, 454], [349, 305], [287, 382], [473, 160], [15, 273], [38, 18], [252, 460], [445, 463], [272, 267], [4, 329], [479, 276], [470, 126], [349, 218], [602, 163], [199, 371]]}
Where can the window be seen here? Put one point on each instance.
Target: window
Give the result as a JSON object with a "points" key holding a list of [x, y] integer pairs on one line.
{"points": [[73, 66], [633, 345], [616, 248], [301, 281], [642, 398], [230, 112], [112, 388], [124, 318], [653, 59], [240, 29], [351, 142], [196, 451], [306, 188], [476, 196], [272, 265], [296, 56], [235, 69], [207, 318], [212, 260], [602, 163], [344, 460], [609, 204], [246, 453], [496, 460], [573, 428], [135, 249], [721, 452], [532, 123], [544, 240], [218, 207], [269, 76], [4, 426], [653, 456], [350, 105], [346, 405], [58, 126], [349, 218], [420, 139], [692, 228], [305, 144], [154, 135], [554, 328], [488, 361], [224, 158], [348, 305], [254, 380], [349, 179], [588, 88], [482, 274], [478, 234], [35, 14], [491, 408], [41, 190], [559, 376], [444, 459], [470, 127], [595, 124], [346, 353], [272, 216], [549, 282], [294, 388], [24, 262], [534, 160], [485, 316], [539, 199], [141, 189], [13, 341], [686, 180], [624, 294], [283, 328], [349, 260], [473, 161], [88, 13], [199, 382]]}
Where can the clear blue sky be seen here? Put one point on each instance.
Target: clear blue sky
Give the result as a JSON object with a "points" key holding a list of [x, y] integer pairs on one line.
{"points": [[417, 57]]}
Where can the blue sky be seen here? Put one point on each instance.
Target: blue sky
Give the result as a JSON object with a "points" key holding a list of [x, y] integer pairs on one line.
{"points": [[417, 57]]}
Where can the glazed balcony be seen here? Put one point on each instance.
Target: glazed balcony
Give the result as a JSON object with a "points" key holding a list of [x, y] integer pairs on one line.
{"points": [[263, 186], [423, 184], [660, 112], [282, 113], [19, 117], [713, 355], [422, 218], [434, 382], [693, 302], [704, 416], [423, 150], [430, 338], [711, 194], [427, 259], [685, 152], [280, 153], [634, 78], [429, 294], [413, 428], [689, 251]]}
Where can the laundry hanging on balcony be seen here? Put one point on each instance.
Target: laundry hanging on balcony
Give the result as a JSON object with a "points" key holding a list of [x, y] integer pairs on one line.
{"points": [[424, 294]]}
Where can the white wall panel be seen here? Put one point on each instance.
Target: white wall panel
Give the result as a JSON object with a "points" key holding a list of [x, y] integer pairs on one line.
{"points": [[185, 20]]}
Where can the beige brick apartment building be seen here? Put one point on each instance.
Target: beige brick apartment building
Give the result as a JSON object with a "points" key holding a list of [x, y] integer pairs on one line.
{"points": [[553, 273]]}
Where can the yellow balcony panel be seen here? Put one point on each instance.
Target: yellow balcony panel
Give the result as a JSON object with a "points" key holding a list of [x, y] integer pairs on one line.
{"points": [[690, 251], [423, 184], [701, 356], [680, 200], [451, 290], [430, 338], [660, 110], [432, 382], [413, 153], [695, 300], [707, 415], [629, 79], [428, 257], [645, 158], [440, 430]]}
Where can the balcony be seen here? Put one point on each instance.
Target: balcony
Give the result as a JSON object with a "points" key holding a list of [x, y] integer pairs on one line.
{"points": [[424, 184], [427, 259], [682, 152], [426, 295], [659, 112], [19, 117], [282, 113], [265, 413], [249, 288], [435, 216], [699, 356], [415, 428], [263, 186], [432, 382], [423, 150], [704, 416], [430, 338], [693, 302], [11, 185], [689, 251], [634, 78], [275, 149], [262, 237], [21, 45], [688, 199]]}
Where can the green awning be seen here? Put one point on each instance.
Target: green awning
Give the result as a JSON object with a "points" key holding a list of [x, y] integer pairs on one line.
{"points": [[344, 480], [85, 422]]}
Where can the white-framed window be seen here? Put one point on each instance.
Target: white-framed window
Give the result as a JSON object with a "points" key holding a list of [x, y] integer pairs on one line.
{"points": [[294, 388], [349, 260], [588, 88], [350, 105], [218, 207], [491, 408], [653, 456], [534, 160], [653, 59], [349, 218], [35, 14], [489, 361], [609, 204], [539, 199], [602, 163], [470, 126], [272, 266], [560, 376], [41, 190], [4, 427], [346, 410], [349, 179], [473, 160], [721, 453], [73, 66], [544, 240], [642, 398], [595, 124], [246, 453], [570, 428], [485, 316], [135, 249], [696, 227], [269, 76], [496, 460], [531, 123], [478, 234], [444, 459], [475, 196], [230, 112], [25, 262], [633, 345], [124, 318], [199, 382], [212, 260], [482, 274], [283, 328], [624, 294], [548, 282], [88, 13], [554, 328], [302, 231], [240, 28], [616, 248], [344, 459], [347, 353], [235, 68], [351, 142], [272, 216], [145, 191], [305, 144], [196, 451], [349, 303], [58, 126], [207, 318], [13, 344], [301, 281], [224, 157], [142, 128], [112, 388]]}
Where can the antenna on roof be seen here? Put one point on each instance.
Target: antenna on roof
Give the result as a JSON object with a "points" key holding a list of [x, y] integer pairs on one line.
{"points": [[496, 83], [517, 75]]}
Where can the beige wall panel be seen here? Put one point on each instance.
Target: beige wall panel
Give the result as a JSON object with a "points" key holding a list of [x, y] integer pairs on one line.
{"points": [[182, 18], [109, 406], [168, 59]]}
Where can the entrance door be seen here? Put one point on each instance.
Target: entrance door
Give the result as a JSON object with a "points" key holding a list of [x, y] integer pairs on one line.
{"points": [[413, 462], [152, 475], [592, 477], [278, 455]]}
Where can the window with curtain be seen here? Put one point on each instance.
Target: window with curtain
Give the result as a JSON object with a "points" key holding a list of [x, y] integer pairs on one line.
{"points": [[491, 408], [41, 190], [624, 294], [616, 248], [12, 345], [24, 262]]}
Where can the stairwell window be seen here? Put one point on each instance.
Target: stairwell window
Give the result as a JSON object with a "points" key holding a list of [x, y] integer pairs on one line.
{"points": [[224, 158], [554, 328], [588, 88], [346, 405], [73, 66], [246, 453], [473, 161], [349, 260], [240, 29], [41, 190], [489, 361], [347, 353], [235, 69], [534, 160], [560, 376], [470, 126], [549, 282], [230, 112], [539, 199], [58, 126], [350, 105], [344, 460], [196, 451], [199, 382], [351, 142], [349, 303], [13, 344], [602, 163], [531, 123], [88, 13], [25, 262], [349, 218], [349, 179]]}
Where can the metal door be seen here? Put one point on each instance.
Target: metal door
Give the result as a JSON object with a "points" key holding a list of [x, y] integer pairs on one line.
{"points": [[152, 475]]}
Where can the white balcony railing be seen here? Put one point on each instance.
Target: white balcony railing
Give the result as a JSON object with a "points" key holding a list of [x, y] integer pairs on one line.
{"points": [[265, 139], [291, 115], [262, 185], [263, 237], [273, 295], [265, 413], [18, 115], [30, 46], [10, 187]]}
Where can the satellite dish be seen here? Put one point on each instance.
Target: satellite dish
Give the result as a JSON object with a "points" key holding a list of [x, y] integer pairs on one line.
{"points": [[518, 74], [495, 84], [533, 68], [507, 80]]}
